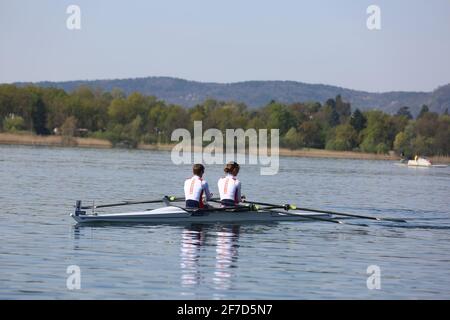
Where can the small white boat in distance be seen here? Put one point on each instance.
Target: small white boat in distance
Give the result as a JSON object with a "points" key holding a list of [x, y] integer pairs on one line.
{"points": [[419, 162]]}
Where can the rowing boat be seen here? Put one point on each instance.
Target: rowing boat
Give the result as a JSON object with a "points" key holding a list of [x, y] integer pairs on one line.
{"points": [[249, 211], [172, 214]]}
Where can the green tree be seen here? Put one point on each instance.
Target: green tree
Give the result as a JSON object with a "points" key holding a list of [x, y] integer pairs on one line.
{"points": [[331, 103], [403, 141], [68, 130], [299, 112], [131, 133], [39, 116], [279, 117], [334, 118], [90, 107], [441, 145], [424, 110], [375, 137], [343, 137], [227, 116], [422, 145], [255, 122], [404, 111], [123, 111], [311, 135], [56, 101], [358, 121], [13, 123], [292, 139], [427, 125], [69, 127], [117, 93], [343, 109]]}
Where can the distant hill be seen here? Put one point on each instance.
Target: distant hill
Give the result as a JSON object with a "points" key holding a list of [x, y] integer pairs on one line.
{"points": [[259, 93]]}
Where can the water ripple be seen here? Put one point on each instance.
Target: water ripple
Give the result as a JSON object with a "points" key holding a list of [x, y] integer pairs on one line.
{"points": [[250, 261]]}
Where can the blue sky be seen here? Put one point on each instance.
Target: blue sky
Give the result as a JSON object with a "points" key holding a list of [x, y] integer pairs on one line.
{"points": [[322, 41]]}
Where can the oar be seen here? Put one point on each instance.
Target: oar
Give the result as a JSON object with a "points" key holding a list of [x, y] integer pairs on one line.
{"points": [[293, 207], [318, 218], [270, 207], [125, 203], [351, 215]]}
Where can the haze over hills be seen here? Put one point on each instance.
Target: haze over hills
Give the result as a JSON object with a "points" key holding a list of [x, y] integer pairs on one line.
{"points": [[259, 93]]}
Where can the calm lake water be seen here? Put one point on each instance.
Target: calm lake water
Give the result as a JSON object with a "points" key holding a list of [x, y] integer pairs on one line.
{"points": [[288, 260]]}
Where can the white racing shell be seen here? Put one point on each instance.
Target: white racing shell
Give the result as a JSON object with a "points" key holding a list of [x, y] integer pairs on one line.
{"points": [[173, 214]]}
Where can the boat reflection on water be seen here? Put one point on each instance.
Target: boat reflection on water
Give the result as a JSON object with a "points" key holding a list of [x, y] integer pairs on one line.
{"points": [[226, 256], [204, 247], [194, 240]]}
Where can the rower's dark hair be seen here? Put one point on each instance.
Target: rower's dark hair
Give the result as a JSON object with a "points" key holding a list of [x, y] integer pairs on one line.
{"points": [[198, 169], [229, 168]]}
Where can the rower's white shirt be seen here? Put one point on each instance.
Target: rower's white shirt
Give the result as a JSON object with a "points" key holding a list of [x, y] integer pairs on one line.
{"points": [[230, 188], [195, 188]]}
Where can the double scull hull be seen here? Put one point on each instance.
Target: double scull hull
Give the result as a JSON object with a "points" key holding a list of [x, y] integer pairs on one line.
{"points": [[178, 215]]}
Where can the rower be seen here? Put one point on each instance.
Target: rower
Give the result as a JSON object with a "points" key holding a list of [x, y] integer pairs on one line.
{"points": [[196, 187], [230, 186]]}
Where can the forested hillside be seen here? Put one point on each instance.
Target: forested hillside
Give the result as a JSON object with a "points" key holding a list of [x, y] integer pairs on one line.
{"points": [[260, 93], [130, 119]]}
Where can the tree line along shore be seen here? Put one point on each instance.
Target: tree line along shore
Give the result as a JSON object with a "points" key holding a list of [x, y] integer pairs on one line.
{"points": [[89, 117], [28, 139]]}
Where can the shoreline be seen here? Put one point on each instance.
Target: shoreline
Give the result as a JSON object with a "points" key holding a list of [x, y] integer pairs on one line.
{"points": [[57, 141], [52, 141]]}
